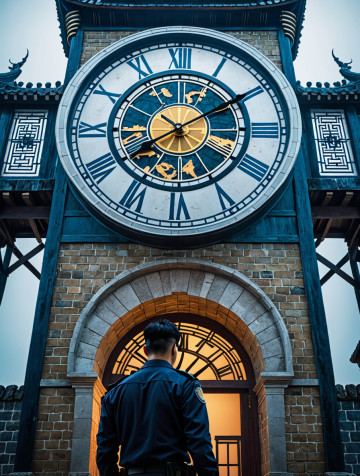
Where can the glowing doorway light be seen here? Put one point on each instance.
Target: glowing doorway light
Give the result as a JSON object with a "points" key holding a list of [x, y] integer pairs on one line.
{"points": [[202, 352]]}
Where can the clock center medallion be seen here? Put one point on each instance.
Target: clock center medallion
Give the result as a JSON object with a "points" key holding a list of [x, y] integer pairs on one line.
{"points": [[183, 130]]}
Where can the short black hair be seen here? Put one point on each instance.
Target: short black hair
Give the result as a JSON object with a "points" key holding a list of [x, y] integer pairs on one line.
{"points": [[160, 335]]}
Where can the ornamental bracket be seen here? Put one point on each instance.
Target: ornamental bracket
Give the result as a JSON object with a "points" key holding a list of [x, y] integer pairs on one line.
{"points": [[288, 22], [72, 24]]}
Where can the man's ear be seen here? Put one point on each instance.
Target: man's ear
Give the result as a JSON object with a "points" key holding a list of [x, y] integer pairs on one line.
{"points": [[146, 351]]}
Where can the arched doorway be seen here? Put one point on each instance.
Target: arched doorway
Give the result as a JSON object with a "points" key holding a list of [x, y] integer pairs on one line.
{"points": [[226, 298], [217, 359]]}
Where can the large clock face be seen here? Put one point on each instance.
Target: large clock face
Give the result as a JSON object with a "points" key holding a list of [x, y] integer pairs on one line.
{"points": [[174, 136]]}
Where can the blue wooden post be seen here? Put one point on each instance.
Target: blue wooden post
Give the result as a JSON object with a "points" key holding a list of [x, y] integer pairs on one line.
{"points": [[3, 272], [353, 251], [333, 446], [28, 419]]}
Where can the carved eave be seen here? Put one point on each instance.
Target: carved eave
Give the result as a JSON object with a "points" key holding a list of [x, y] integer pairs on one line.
{"points": [[144, 14], [20, 94], [348, 93]]}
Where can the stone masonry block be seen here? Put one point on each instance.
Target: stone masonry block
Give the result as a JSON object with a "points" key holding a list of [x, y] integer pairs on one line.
{"points": [[108, 315], [264, 321], [195, 282], [142, 290], [231, 294], [91, 338], [206, 285], [217, 288], [243, 306], [179, 280], [127, 296], [86, 351], [272, 348], [267, 334], [155, 284], [165, 280]]}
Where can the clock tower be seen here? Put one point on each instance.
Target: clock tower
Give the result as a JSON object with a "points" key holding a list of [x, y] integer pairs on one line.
{"points": [[180, 191]]}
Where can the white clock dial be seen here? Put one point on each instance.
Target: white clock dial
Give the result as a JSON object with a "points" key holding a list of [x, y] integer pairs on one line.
{"points": [[173, 136]]}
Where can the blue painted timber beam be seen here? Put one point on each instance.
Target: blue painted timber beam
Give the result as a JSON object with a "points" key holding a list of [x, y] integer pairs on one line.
{"points": [[29, 411], [4, 270], [334, 455]]}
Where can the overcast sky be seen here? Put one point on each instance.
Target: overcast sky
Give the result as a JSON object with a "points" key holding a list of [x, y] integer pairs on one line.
{"points": [[33, 25]]}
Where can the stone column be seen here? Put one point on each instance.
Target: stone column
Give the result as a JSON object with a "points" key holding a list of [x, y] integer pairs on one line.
{"points": [[271, 386], [85, 385]]}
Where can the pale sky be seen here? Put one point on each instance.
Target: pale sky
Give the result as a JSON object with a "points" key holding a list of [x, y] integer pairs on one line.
{"points": [[33, 25]]}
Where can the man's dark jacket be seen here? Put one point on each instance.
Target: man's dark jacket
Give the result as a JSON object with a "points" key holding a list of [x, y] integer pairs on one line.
{"points": [[156, 415]]}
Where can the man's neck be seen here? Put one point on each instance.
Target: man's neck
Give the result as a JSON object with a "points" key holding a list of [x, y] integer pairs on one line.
{"points": [[165, 357]]}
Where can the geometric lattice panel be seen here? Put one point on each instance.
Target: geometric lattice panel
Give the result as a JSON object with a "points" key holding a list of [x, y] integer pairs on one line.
{"points": [[333, 145], [25, 144]]}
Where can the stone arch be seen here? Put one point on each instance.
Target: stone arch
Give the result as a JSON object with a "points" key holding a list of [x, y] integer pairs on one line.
{"points": [[180, 286], [209, 289]]}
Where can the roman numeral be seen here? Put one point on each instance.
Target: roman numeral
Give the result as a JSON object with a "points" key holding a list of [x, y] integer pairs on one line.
{"points": [[181, 207], [218, 69], [223, 146], [138, 63], [253, 92], [265, 130], [225, 370], [103, 92], [134, 143], [224, 196], [87, 130], [132, 196], [100, 168], [180, 58], [253, 167]]}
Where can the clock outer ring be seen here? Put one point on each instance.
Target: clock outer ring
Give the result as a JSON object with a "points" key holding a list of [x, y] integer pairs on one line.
{"points": [[184, 236]]}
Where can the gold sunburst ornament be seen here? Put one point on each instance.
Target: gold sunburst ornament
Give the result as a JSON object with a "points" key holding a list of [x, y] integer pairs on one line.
{"points": [[184, 140]]}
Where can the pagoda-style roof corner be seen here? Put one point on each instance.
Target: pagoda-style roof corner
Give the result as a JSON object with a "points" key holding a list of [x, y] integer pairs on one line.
{"points": [[144, 14], [15, 71], [346, 90]]}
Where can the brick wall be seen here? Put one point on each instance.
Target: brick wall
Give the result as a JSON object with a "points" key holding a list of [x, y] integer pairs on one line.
{"points": [[349, 417], [84, 268], [10, 408], [264, 41], [54, 431], [304, 434]]}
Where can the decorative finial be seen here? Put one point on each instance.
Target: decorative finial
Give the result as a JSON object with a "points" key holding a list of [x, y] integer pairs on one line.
{"points": [[345, 70], [15, 71]]}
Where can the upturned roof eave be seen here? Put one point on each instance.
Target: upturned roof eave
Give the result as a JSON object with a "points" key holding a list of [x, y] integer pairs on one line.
{"points": [[349, 92], [15, 92]]}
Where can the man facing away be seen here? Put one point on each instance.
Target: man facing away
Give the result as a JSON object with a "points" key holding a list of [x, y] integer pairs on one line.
{"points": [[157, 414]]}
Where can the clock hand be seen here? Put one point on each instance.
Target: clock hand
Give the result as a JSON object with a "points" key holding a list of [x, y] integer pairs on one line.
{"points": [[168, 120], [218, 108], [146, 146]]}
